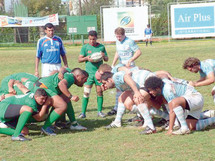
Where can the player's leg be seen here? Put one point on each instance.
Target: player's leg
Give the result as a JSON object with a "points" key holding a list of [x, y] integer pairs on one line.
{"points": [[114, 110], [60, 107], [71, 114], [100, 101], [85, 99]]}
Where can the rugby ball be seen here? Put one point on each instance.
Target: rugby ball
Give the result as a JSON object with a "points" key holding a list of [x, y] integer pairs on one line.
{"points": [[96, 57]]}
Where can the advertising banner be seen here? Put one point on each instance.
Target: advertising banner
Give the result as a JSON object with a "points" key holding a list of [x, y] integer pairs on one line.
{"points": [[6, 21], [192, 20], [133, 19]]}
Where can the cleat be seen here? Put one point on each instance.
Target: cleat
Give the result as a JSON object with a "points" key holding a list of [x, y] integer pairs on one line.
{"points": [[112, 112], [113, 125], [62, 124], [135, 118], [19, 138], [147, 131], [77, 127], [48, 131], [101, 114], [181, 132], [82, 115]]}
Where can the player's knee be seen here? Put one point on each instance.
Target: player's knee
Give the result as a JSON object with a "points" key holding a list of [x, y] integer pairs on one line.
{"points": [[26, 108], [87, 92]]}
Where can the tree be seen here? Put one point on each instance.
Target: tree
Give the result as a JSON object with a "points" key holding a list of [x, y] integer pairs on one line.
{"points": [[42, 7]]}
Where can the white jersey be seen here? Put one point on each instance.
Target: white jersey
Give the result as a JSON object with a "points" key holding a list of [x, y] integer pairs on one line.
{"points": [[139, 77]]}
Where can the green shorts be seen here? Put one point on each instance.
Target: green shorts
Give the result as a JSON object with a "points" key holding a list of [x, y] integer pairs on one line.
{"points": [[91, 80]]}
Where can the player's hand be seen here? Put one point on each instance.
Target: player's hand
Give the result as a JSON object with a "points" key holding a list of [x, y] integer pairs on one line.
{"points": [[192, 83], [128, 64], [169, 132], [60, 75], [75, 98], [11, 91], [104, 87], [138, 98], [89, 59], [37, 74]]}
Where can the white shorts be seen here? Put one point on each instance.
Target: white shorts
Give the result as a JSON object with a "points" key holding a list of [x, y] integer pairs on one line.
{"points": [[195, 102], [148, 36], [48, 68]]}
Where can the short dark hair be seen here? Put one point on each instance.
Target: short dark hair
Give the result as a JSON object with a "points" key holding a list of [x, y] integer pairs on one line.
{"points": [[92, 33], [190, 62], [153, 83], [80, 71], [49, 25], [40, 92], [106, 75]]}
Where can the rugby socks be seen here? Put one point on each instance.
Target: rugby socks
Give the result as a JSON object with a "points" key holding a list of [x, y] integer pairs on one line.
{"points": [[84, 104], [7, 131], [154, 111], [118, 93], [23, 118], [150, 42], [143, 109], [146, 43], [120, 112], [134, 109], [99, 103], [71, 114], [52, 118], [202, 124], [179, 112], [214, 98]]}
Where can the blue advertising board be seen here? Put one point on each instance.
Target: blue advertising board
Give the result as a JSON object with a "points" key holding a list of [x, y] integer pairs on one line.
{"points": [[193, 20]]}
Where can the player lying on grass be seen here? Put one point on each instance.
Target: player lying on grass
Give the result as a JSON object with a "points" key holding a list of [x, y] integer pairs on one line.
{"points": [[16, 111], [206, 70], [180, 97], [58, 90]]}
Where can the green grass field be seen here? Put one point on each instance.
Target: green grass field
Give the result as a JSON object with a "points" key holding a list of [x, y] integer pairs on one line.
{"points": [[116, 144]]}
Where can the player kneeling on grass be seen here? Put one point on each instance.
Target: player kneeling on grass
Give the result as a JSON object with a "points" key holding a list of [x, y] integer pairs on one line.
{"points": [[180, 98], [93, 55], [19, 109]]}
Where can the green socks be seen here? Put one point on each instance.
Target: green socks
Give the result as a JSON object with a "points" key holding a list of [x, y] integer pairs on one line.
{"points": [[23, 118], [84, 104], [7, 131], [52, 118], [70, 112], [99, 103]]}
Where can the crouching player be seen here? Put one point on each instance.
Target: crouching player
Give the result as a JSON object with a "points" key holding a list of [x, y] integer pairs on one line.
{"points": [[180, 97], [19, 109]]}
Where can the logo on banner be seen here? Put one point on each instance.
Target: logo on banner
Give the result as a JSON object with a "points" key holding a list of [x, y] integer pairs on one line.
{"points": [[126, 20]]}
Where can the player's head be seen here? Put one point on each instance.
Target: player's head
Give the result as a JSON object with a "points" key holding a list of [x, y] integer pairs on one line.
{"points": [[49, 30], [154, 85], [92, 36], [192, 64], [80, 76], [148, 25], [40, 96], [107, 81], [102, 68], [120, 33]]}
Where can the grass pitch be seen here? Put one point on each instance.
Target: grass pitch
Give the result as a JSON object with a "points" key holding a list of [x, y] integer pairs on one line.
{"points": [[116, 144]]}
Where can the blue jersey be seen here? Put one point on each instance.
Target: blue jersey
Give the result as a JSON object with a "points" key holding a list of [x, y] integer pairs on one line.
{"points": [[173, 90], [138, 76], [148, 31], [126, 50], [206, 67], [49, 50]]}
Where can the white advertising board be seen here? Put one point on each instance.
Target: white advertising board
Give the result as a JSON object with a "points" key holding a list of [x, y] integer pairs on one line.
{"points": [[133, 19], [192, 20]]}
